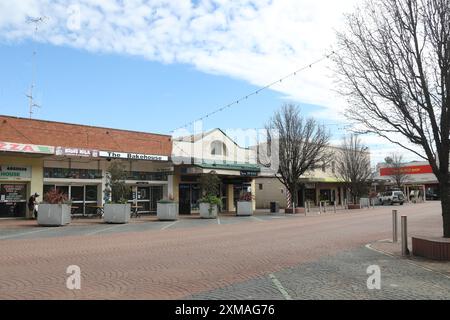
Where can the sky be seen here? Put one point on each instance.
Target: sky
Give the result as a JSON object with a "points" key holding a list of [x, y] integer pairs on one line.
{"points": [[156, 65]]}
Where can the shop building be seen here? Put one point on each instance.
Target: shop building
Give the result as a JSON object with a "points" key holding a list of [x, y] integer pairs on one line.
{"points": [[203, 153], [74, 159], [419, 180], [21, 172], [319, 184]]}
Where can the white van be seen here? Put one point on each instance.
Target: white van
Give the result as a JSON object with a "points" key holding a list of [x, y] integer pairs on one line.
{"points": [[391, 197]]}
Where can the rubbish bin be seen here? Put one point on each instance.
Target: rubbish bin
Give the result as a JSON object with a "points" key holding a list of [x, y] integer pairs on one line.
{"points": [[274, 207]]}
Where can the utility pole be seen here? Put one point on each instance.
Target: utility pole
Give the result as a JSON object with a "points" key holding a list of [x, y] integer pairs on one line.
{"points": [[31, 103]]}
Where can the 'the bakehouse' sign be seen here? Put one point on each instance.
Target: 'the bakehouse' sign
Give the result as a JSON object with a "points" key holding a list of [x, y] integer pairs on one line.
{"points": [[132, 156]]}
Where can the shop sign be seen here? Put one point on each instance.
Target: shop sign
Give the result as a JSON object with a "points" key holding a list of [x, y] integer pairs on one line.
{"points": [[132, 156], [249, 173], [26, 148], [310, 185], [10, 172], [13, 192], [76, 152], [407, 170]]}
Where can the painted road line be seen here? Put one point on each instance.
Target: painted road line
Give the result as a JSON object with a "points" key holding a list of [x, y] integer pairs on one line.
{"points": [[169, 225], [369, 246], [280, 287], [104, 229], [257, 219], [23, 233]]}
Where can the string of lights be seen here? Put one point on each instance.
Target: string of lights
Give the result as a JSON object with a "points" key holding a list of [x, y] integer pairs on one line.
{"points": [[243, 98]]}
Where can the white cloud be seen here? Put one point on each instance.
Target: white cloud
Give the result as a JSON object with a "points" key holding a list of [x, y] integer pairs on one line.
{"points": [[253, 40], [257, 41]]}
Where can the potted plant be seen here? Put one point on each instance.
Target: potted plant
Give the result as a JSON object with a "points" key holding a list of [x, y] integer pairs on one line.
{"points": [[116, 208], [210, 202], [167, 209], [245, 205], [54, 210]]}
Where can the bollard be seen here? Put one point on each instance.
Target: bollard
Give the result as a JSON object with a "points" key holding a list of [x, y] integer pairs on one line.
{"points": [[405, 250], [394, 226], [335, 207], [320, 207]]}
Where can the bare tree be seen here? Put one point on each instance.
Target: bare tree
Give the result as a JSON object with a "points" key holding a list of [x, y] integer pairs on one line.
{"points": [[303, 145], [393, 62], [397, 170], [353, 167]]}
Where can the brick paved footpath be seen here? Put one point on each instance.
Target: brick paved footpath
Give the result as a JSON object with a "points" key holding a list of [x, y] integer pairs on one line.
{"points": [[198, 262]]}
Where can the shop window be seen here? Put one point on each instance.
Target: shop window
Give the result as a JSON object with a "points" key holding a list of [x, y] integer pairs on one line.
{"points": [[66, 173], [218, 148], [77, 193], [147, 176], [91, 193]]}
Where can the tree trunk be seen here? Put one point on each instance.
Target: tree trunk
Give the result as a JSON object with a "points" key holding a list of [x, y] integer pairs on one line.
{"points": [[445, 205]]}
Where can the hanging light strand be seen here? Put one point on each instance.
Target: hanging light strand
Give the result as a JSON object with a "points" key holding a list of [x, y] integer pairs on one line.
{"points": [[256, 92]]}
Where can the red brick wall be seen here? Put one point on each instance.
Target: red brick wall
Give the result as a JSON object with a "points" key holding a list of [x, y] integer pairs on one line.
{"points": [[21, 130]]}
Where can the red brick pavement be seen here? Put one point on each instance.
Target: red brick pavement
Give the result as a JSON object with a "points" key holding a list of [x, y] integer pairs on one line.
{"points": [[174, 263]]}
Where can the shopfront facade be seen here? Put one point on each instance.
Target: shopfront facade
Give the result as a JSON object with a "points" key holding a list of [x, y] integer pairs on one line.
{"points": [[419, 181], [212, 151], [77, 166], [82, 176], [21, 167]]}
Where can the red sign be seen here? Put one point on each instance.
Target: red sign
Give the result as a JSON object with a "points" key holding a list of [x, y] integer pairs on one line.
{"points": [[424, 169], [27, 148]]}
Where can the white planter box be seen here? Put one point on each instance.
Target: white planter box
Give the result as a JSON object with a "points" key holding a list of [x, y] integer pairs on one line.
{"points": [[244, 208], [53, 214], [167, 211], [117, 213], [204, 211]]}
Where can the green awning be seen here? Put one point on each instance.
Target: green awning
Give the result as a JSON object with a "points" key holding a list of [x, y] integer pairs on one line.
{"points": [[230, 166]]}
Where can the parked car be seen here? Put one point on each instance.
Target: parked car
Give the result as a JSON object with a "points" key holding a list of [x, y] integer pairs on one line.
{"points": [[391, 197], [431, 196]]}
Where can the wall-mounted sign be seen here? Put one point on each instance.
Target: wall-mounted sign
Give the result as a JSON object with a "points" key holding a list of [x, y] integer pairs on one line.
{"points": [[76, 152], [407, 170], [10, 172], [132, 156], [26, 148], [249, 174], [13, 192]]}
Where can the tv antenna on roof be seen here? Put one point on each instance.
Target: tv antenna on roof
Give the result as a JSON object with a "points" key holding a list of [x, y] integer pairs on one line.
{"points": [[29, 95]]}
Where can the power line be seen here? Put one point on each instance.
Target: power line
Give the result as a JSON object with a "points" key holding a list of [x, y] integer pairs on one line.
{"points": [[243, 98]]}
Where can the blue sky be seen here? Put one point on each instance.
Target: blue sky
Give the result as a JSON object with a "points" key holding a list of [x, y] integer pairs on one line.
{"points": [[126, 92], [153, 65]]}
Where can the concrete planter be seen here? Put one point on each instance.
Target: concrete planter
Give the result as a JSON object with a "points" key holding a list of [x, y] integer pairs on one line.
{"points": [[297, 210], [167, 211], [117, 213], [204, 211], [53, 215], [244, 208]]}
